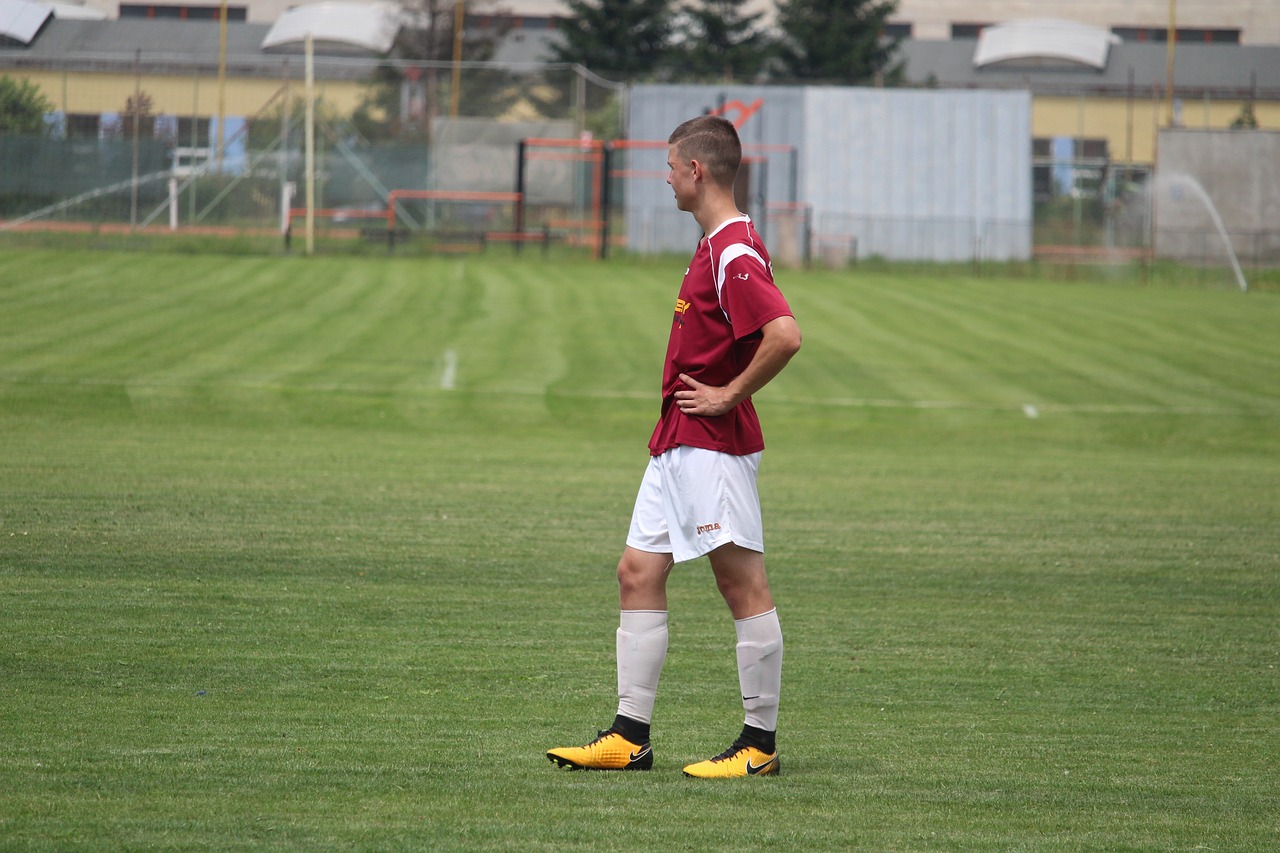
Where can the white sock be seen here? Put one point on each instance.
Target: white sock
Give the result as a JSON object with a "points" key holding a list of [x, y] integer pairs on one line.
{"points": [[760, 668], [642, 649]]}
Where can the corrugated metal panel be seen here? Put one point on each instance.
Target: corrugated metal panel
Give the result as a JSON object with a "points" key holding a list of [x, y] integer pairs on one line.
{"points": [[774, 118], [921, 175]]}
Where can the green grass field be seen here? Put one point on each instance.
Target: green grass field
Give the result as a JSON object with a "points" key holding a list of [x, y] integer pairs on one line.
{"points": [[318, 554]]}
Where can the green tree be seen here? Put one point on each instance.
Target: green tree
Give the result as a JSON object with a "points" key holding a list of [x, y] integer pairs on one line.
{"points": [[136, 109], [621, 39], [22, 107], [720, 40], [836, 41], [1247, 120]]}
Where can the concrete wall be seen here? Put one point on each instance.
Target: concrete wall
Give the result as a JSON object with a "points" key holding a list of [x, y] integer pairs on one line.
{"points": [[1207, 181]]}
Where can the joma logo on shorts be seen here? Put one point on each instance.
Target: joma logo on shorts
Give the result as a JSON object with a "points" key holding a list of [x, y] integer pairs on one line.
{"points": [[707, 528]]}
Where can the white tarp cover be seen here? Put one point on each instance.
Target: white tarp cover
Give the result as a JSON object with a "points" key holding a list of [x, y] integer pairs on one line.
{"points": [[1044, 42], [20, 20], [368, 27], [75, 11]]}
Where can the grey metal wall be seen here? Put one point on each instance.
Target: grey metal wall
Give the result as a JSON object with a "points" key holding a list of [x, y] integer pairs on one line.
{"points": [[903, 174], [922, 175], [653, 223]]}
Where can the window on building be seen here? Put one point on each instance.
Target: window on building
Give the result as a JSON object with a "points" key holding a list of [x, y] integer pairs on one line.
{"points": [[897, 30], [193, 131], [1068, 166], [1182, 34], [967, 30], [83, 125], [180, 12], [537, 23]]}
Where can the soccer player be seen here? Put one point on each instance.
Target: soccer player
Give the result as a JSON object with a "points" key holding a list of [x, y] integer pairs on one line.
{"points": [[732, 332]]}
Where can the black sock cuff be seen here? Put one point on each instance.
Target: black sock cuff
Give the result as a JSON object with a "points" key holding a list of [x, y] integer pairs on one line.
{"points": [[633, 730], [765, 741]]}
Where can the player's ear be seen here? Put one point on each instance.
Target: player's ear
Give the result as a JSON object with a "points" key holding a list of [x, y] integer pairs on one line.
{"points": [[697, 170]]}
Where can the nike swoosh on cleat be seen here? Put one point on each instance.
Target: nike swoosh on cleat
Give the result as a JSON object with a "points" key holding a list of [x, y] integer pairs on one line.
{"points": [[636, 756], [753, 769]]}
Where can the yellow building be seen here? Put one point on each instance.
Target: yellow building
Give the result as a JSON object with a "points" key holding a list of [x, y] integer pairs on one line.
{"points": [[183, 74], [1096, 96]]}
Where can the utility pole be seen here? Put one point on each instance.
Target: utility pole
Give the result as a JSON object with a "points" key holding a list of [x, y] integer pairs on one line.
{"points": [[222, 84], [459, 20], [1170, 40], [137, 120]]}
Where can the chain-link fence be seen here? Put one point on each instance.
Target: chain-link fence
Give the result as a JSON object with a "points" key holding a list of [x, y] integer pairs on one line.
{"points": [[175, 148]]}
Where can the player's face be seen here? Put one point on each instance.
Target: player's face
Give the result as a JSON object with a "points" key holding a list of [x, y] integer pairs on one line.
{"points": [[680, 178]]}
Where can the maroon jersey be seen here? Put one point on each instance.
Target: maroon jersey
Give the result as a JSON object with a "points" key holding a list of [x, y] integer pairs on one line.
{"points": [[727, 295]]}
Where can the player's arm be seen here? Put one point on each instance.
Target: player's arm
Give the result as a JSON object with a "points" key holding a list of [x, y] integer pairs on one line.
{"points": [[780, 340]]}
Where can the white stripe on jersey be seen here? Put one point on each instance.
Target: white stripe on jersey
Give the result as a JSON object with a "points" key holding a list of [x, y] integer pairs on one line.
{"points": [[728, 256]]}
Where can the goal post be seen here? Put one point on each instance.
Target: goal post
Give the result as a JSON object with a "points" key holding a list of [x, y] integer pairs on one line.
{"points": [[612, 194], [564, 188]]}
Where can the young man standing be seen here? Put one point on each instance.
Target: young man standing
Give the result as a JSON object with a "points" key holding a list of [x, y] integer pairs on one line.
{"points": [[732, 332]]}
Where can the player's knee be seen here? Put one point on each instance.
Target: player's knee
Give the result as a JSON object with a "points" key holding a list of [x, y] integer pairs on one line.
{"points": [[636, 576], [745, 595]]}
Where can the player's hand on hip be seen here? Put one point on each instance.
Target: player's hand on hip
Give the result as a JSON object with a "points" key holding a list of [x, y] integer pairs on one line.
{"points": [[702, 399]]}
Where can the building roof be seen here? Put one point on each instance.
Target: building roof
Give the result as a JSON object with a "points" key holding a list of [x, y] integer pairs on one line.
{"points": [[168, 46], [1225, 70]]}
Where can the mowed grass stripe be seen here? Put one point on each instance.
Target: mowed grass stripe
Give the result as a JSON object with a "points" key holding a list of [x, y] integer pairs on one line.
{"points": [[1026, 347], [977, 357], [115, 327], [1033, 353], [617, 319], [1185, 342], [293, 320], [173, 338], [511, 341], [905, 346], [35, 278], [1173, 347], [71, 306], [342, 332], [274, 335]]}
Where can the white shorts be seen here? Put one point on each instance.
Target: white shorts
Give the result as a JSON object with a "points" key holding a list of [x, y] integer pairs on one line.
{"points": [[692, 501]]}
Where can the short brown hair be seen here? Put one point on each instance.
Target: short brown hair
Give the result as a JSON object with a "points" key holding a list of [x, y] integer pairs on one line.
{"points": [[712, 141]]}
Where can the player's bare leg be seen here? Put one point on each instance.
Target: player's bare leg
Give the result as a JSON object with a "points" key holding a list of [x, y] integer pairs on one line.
{"points": [[642, 579], [742, 581]]}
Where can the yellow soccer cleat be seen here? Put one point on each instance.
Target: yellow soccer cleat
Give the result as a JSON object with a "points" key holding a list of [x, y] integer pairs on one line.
{"points": [[738, 760], [610, 751]]}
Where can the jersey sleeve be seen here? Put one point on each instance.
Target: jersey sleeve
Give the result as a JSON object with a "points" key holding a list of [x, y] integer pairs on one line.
{"points": [[748, 294]]}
